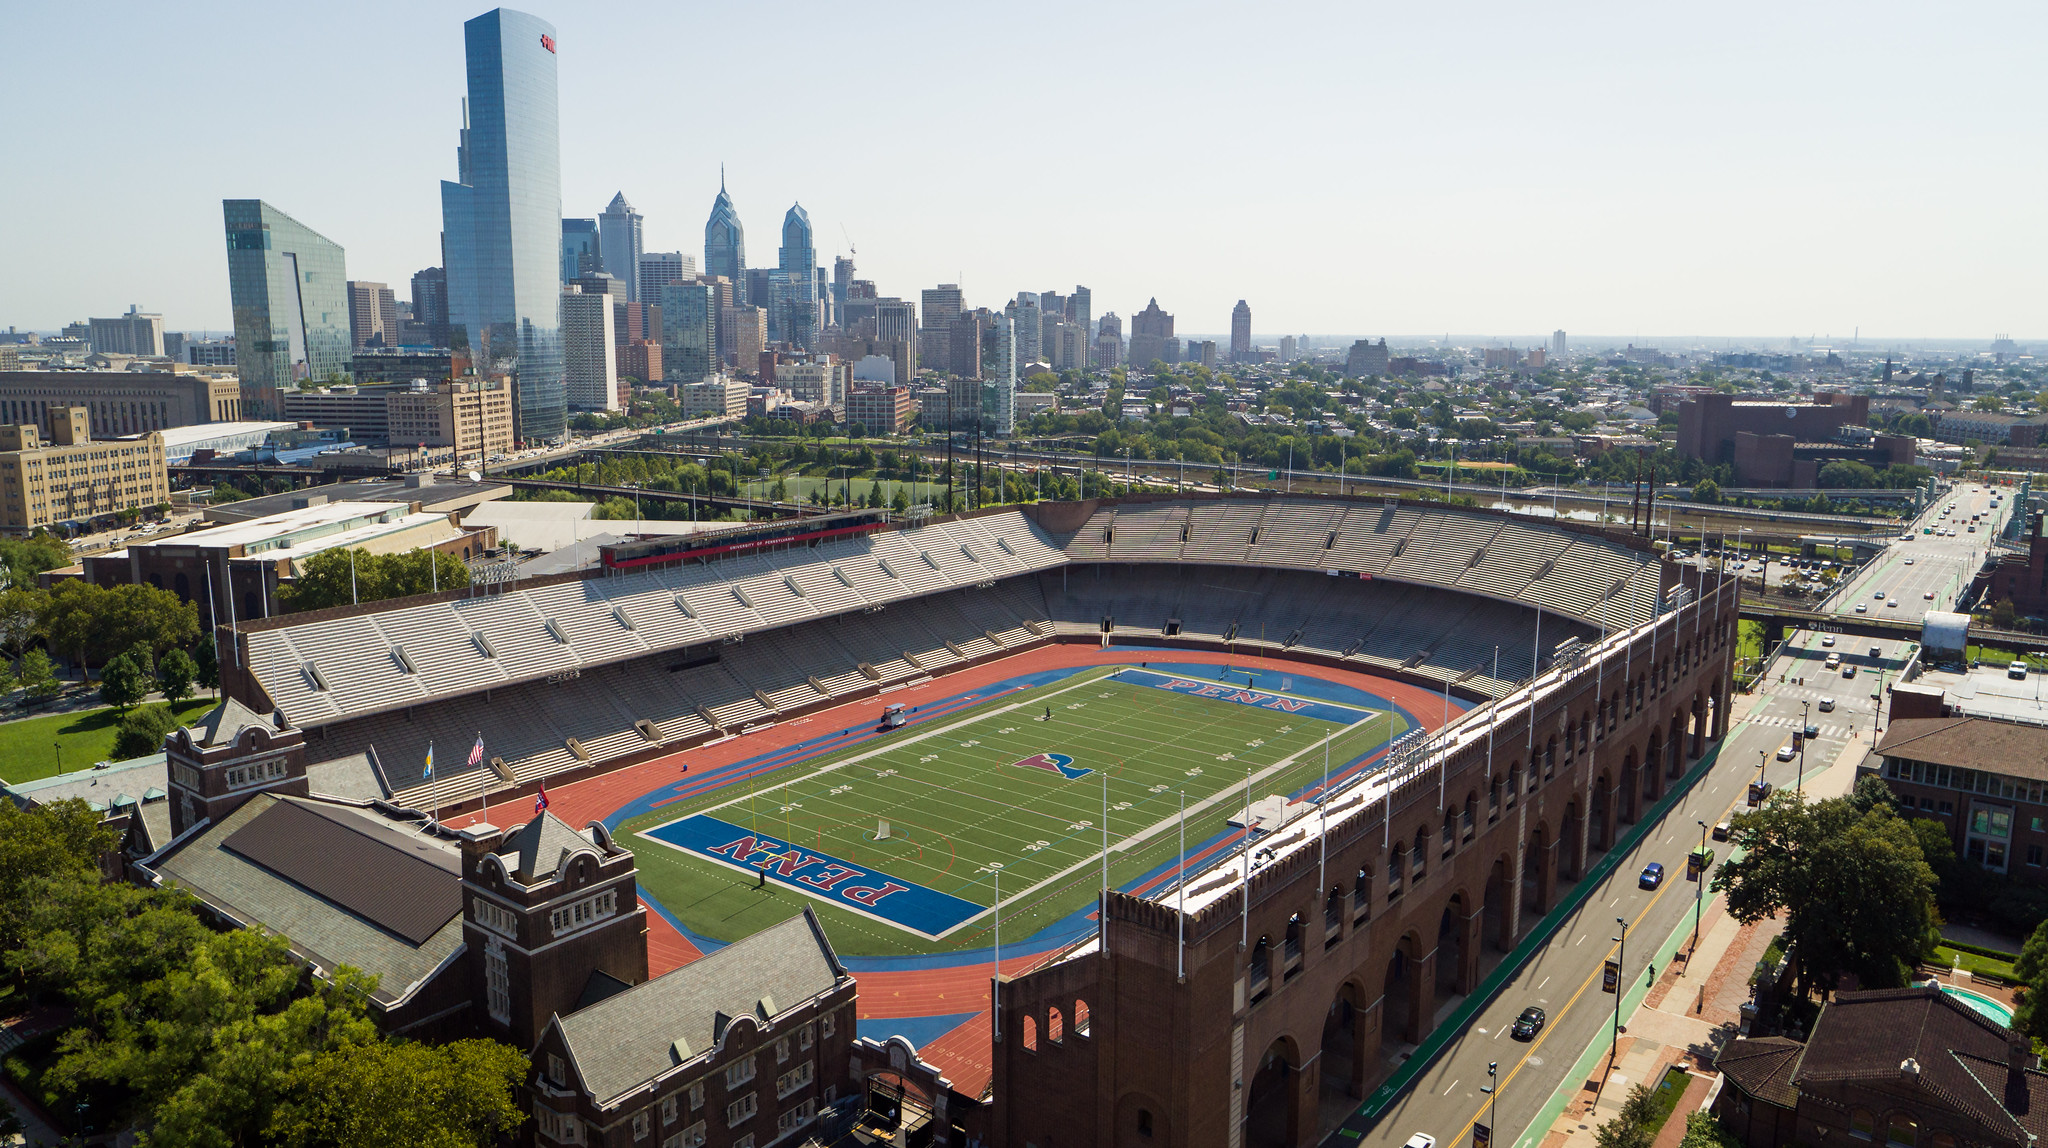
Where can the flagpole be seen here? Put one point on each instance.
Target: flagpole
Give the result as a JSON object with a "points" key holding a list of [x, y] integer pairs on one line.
{"points": [[1244, 939], [1102, 921], [1323, 862], [433, 782], [1180, 938], [996, 984]]}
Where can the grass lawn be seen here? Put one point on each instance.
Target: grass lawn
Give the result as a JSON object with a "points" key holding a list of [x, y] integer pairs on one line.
{"points": [[1975, 963], [962, 804], [1666, 1096], [83, 738]]}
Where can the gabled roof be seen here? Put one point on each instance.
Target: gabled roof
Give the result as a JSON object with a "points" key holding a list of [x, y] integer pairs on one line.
{"points": [[225, 722], [537, 849], [623, 1041]]}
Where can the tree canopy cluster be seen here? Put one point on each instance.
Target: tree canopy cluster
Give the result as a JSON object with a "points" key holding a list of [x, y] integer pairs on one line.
{"points": [[341, 577], [194, 1036]]}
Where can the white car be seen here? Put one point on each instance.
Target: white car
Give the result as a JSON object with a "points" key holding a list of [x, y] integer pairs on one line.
{"points": [[1893, 604], [1827, 705], [1929, 595], [1827, 639], [1909, 561], [1862, 608], [1785, 752], [1421, 1140]]}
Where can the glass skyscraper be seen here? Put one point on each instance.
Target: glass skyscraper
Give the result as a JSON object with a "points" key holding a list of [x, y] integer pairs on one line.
{"points": [[288, 285], [725, 243], [581, 254], [796, 290], [689, 332], [501, 219]]}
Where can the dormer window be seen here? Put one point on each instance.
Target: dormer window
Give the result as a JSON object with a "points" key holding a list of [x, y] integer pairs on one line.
{"points": [[589, 910]]}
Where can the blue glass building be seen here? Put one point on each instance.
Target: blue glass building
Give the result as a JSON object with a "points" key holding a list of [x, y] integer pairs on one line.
{"points": [[501, 220], [288, 286], [725, 243], [689, 332], [581, 254], [796, 285]]}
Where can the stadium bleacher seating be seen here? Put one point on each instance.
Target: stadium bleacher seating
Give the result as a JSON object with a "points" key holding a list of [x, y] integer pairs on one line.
{"points": [[568, 675]]}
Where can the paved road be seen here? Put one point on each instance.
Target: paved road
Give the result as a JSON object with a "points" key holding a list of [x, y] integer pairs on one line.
{"points": [[1912, 568], [1563, 978]]}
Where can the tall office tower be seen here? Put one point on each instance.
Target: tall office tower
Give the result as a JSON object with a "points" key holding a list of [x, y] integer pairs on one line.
{"points": [[725, 242], [660, 268], [1286, 348], [742, 334], [372, 315], [288, 286], [753, 287], [621, 237], [942, 306], [794, 316], [963, 350], [430, 303], [842, 276], [136, 333], [1052, 303], [1081, 308], [501, 220], [1109, 341], [1150, 329], [1004, 372], [1557, 345], [896, 331], [689, 331], [1029, 329], [821, 290], [581, 254], [1240, 332], [590, 356]]}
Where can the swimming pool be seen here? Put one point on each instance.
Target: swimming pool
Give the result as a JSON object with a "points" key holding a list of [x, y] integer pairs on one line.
{"points": [[1984, 1005]]}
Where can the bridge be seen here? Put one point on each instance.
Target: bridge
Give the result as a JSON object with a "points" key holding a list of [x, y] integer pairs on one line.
{"points": [[1778, 619]]}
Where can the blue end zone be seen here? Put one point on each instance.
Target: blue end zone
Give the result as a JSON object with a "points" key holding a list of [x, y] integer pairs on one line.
{"points": [[912, 908], [1248, 696]]}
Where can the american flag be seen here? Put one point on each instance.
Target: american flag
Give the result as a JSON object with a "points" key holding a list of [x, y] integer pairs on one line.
{"points": [[540, 801], [476, 752]]}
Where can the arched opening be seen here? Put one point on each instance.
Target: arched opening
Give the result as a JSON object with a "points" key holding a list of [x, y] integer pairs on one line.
{"points": [[1450, 946], [1419, 859], [1535, 874], [1470, 823], [1272, 1108], [1397, 997], [1602, 798], [1493, 925], [1080, 1018], [1333, 916], [1674, 748], [1030, 1031], [1361, 896], [1653, 777], [1343, 1068], [1627, 806], [1450, 832], [1055, 1027], [1259, 969], [1571, 859], [1290, 948], [183, 586]]}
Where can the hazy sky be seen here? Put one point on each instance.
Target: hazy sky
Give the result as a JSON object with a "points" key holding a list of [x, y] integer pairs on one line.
{"points": [[1751, 169]]}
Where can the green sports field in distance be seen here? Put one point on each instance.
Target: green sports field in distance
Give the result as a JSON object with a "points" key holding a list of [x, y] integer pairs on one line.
{"points": [[995, 791]]}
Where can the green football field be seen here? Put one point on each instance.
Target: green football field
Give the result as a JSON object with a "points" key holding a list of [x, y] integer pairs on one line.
{"points": [[962, 812]]}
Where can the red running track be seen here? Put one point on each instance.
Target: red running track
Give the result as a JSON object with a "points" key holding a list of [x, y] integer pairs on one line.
{"points": [[965, 1052]]}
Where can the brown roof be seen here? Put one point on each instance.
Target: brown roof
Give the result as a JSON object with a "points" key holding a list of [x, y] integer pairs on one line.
{"points": [[1763, 1067], [2002, 747], [1868, 1036]]}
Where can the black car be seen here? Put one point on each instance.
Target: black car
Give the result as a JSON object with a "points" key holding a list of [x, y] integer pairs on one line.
{"points": [[1528, 1024]]}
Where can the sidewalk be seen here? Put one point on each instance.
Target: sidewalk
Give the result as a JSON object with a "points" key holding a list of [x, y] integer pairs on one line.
{"points": [[1684, 1019]]}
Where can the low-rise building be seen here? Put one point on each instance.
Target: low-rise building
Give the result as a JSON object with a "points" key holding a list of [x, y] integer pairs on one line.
{"points": [[716, 397], [469, 419], [1982, 778], [74, 477], [882, 410]]}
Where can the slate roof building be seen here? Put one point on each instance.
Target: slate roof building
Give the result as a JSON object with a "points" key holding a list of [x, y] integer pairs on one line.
{"points": [[1909, 1068]]}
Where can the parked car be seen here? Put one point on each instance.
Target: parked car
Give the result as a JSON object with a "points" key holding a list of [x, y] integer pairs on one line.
{"points": [[1653, 875], [1721, 830], [1528, 1024]]}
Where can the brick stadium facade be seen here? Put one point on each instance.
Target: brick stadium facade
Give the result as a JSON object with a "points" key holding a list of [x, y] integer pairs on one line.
{"points": [[1207, 1040]]}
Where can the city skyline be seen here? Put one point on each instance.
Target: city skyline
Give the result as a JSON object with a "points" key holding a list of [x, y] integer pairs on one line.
{"points": [[1570, 223]]}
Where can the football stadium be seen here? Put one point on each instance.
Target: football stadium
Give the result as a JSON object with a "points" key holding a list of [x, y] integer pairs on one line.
{"points": [[1105, 805]]}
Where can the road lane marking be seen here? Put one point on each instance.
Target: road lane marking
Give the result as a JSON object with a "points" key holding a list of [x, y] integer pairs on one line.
{"points": [[1539, 988]]}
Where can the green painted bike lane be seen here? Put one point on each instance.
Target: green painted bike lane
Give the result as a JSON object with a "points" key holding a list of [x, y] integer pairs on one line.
{"points": [[1359, 1122]]}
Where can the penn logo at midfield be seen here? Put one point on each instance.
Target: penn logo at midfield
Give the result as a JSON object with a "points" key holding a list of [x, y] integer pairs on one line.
{"points": [[1058, 763]]}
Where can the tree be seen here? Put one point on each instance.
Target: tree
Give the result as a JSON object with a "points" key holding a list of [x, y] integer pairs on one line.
{"points": [[38, 676], [141, 731], [1703, 1131], [901, 502], [40, 844], [122, 682], [1628, 1128], [2031, 1014], [175, 675], [24, 558], [95, 622], [1857, 892], [1844, 473], [21, 618], [208, 663], [1706, 490], [341, 577], [393, 1095]]}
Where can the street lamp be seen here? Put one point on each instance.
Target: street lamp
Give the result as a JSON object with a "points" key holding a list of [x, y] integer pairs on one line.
{"points": [[1762, 756], [1492, 1099], [1697, 895], [1620, 989], [1806, 712]]}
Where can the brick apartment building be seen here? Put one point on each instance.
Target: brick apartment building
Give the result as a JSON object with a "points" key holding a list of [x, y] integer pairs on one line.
{"points": [[1987, 780], [2022, 579]]}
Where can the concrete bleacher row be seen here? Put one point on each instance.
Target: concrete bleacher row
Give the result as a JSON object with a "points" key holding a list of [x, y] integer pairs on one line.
{"points": [[674, 698], [1585, 576], [334, 668], [1437, 633]]}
